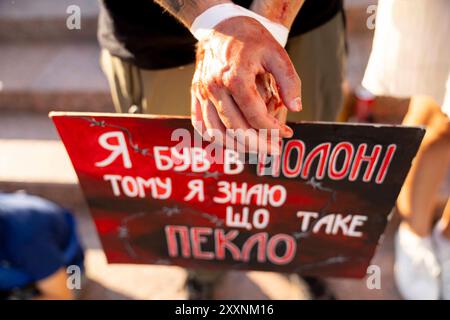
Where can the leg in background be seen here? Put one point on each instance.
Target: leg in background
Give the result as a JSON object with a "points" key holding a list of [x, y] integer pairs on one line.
{"points": [[441, 237], [416, 202], [167, 91], [417, 267], [445, 220], [123, 80], [136, 90]]}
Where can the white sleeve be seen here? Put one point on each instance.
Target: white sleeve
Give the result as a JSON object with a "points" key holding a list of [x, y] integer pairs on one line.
{"points": [[204, 24], [410, 53]]}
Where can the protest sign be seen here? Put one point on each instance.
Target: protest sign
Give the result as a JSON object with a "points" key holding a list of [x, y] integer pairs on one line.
{"points": [[158, 195]]}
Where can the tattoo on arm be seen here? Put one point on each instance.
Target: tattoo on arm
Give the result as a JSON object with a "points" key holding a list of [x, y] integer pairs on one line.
{"points": [[187, 10], [176, 5], [281, 11]]}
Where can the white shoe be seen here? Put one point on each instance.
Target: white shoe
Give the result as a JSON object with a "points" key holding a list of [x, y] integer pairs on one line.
{"points": [[416, 269], [442, 245]]}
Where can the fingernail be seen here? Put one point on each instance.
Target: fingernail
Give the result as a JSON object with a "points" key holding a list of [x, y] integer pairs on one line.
{"points": [[296, 104], [287, 132]]}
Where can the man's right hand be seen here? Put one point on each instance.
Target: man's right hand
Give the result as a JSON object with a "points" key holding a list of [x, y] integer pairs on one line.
{"points": [[224, 88]]}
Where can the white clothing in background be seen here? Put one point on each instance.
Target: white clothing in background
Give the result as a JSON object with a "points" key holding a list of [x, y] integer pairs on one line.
{"points": [[411, 50]]}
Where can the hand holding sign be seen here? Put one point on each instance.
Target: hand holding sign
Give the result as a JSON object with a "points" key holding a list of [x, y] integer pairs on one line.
{"points": [[318, 208], [224, 89]]}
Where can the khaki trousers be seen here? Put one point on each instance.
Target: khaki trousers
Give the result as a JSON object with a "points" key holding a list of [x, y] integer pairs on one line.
{"points": [[318, 56]]}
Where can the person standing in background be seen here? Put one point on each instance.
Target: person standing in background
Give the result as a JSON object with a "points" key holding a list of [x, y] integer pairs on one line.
{"points": [[148, 58], [411, 59]]}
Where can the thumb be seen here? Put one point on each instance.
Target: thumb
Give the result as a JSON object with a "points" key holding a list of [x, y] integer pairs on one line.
{"points": [[287, 79]]}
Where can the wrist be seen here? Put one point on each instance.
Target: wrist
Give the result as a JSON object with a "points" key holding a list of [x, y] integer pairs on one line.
{"points": [[205, 23]]}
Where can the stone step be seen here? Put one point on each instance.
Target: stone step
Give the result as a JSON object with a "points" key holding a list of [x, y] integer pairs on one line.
{"points": [[39, 167], [46, 20], [16, 125], [67, 77], [53, 76]]}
